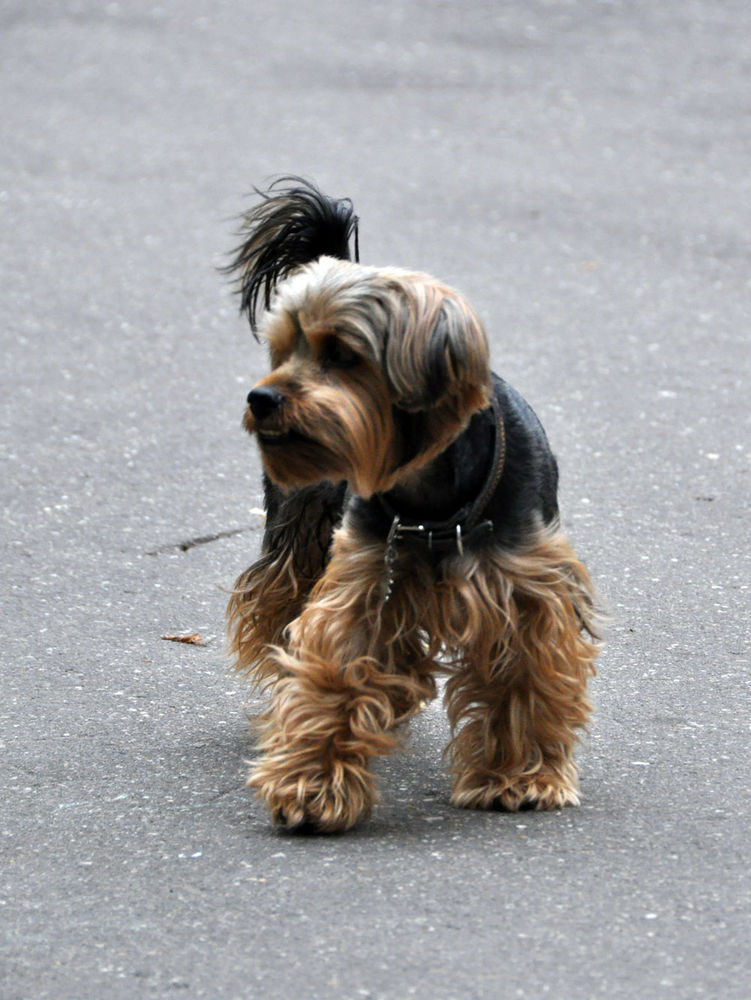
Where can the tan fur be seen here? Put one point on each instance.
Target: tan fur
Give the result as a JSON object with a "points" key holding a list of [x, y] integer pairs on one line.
{"points": [[509, 628], [345, 664], [351, 671], [522, 630], [351, 416]]}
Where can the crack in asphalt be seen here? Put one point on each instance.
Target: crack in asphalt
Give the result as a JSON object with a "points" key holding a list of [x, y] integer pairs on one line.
{"points": [[192, 543]]}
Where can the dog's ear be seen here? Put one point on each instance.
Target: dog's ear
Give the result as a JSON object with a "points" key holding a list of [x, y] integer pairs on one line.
{"points": [[436, 352], [293, 225]]}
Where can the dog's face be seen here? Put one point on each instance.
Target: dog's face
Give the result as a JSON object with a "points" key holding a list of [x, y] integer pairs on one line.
{"points": [[374, 372]]}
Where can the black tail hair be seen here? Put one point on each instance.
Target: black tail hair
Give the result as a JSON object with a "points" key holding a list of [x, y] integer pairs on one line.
{"points": [[293, 225]]}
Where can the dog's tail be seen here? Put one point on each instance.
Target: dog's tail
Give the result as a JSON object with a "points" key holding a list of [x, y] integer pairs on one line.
{"points": [[293, 225]]}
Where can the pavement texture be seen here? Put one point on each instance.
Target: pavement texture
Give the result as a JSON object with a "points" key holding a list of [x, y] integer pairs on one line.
{"points": [[581, 171]]}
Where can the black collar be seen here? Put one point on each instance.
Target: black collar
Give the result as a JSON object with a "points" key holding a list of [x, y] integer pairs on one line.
{"points": [[464, 526]]}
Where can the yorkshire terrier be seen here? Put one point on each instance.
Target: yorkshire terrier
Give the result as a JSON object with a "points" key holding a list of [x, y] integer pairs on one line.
{"points": [[412, 532]]}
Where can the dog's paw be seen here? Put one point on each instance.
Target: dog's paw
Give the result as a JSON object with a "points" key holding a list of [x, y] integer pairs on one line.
{"points": [[543, 790], [326, 800]]}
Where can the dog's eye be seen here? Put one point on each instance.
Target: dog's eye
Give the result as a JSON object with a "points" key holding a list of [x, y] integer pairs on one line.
{"points": [[338, 355]]}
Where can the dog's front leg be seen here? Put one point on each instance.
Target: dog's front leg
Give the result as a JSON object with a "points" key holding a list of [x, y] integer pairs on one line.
{"points": [[343, 685]]}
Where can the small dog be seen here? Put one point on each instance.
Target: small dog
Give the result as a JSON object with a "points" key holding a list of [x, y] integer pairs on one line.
{"points": [[412, 531]]}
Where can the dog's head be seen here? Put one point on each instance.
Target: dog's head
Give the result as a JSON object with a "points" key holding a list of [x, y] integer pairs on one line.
{"points": [[374, 371]]}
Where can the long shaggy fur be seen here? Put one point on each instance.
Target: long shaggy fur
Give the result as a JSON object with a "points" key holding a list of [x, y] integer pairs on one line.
{"points": [[293, 225], [380, 419], [516, 694], [275, 588]]}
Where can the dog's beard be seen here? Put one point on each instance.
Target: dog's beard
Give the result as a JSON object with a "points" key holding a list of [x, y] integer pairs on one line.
{"points": [[326, 433]]}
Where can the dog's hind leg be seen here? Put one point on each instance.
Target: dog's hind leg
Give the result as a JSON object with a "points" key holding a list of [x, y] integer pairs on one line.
{"points": [[273, 591]]}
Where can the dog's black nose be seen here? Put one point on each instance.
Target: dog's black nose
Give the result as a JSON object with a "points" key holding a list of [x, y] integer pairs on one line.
{"points": [[263, 401]]}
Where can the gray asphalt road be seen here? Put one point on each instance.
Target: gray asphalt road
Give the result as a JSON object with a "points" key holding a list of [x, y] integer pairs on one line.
{"points": [[581, 171]]}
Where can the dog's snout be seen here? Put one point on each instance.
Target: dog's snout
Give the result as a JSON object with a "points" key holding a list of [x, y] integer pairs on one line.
{"points": [[263, 400]]}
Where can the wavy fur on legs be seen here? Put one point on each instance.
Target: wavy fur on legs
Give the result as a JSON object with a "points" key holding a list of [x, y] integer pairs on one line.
{"points": [[522, 628], [517, 631], [273, 591], [351, 672]]}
